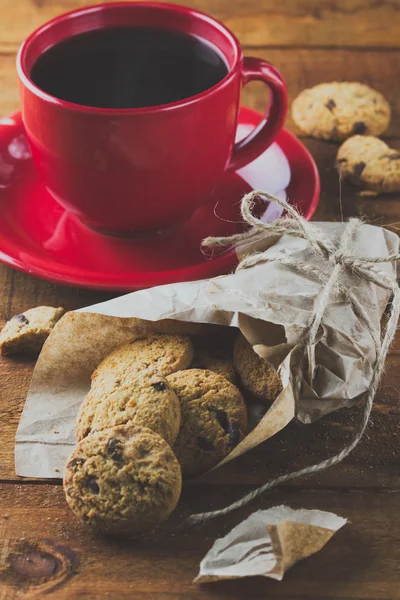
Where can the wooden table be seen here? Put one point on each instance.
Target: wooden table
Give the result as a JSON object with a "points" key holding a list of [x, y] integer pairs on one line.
{"points": [[42, 547]]}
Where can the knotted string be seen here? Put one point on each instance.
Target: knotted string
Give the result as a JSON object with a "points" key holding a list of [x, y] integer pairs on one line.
{"points": [[336, 261]]}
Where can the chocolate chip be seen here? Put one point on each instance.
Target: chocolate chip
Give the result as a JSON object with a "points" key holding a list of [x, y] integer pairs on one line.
{"points": [[331, 104], [392, 156], [359, 128], [142, 451], [234, 433], [159, 386], [221, 417], [205, 444], [21, 319], [335, 132], [114, 448], [92, 485], [358, 169], [76, 461]]}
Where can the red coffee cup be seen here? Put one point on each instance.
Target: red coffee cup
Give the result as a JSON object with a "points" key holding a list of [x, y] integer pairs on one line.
{"points": [[128, 171]]}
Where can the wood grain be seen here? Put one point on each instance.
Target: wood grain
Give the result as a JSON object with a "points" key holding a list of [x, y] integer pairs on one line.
{"points": [[361, 561], [309, 23]]}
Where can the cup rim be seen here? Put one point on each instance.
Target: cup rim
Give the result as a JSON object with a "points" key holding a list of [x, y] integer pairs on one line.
{"points": [[26, 80]]}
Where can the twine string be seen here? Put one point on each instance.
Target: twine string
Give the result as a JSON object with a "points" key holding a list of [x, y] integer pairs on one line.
{"points": [[336, 261]]}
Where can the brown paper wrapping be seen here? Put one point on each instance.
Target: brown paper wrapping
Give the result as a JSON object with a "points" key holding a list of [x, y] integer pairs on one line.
{"points": [[269, 302], [268, 543]]}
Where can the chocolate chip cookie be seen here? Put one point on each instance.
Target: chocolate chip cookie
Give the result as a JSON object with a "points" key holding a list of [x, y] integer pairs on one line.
{"points": [[370, 163], [143, 398], [257, 375], [165, 353], [338, 110], [213, 419], [28, 331], [123, 480]]}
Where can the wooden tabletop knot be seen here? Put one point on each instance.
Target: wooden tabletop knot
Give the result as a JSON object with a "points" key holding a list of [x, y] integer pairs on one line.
{"points": [[38, 565]]}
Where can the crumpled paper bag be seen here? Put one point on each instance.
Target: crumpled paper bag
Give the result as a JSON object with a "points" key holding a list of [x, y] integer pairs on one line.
{"points": [[268, 543], [271, 305]]}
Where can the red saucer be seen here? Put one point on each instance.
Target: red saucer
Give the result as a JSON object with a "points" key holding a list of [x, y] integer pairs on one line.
{"points": [[39, 237]]}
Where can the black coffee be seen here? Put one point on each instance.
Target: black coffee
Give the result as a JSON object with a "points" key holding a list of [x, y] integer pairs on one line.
{"points": [[124, 67]]}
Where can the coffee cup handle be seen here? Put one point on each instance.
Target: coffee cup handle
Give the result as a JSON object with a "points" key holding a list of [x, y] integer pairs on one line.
{"points": [[254, 144]]}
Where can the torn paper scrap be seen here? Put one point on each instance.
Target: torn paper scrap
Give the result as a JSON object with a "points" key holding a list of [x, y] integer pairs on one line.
{"points": [[268, 543]]}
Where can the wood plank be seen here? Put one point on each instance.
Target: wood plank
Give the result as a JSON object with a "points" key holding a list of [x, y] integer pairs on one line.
{"points": [[355, 23], [9, 98], [361, 561], [301, 68]]}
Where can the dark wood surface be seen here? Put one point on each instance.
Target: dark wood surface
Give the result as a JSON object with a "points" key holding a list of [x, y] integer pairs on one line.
{"points": [[43, 550]]}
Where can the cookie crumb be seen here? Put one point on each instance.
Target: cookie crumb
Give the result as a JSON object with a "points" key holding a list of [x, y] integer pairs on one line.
{"points": [[26, 332]]}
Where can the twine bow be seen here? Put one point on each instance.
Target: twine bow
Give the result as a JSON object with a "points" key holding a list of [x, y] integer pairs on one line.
{"points": [[336, 260]]}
